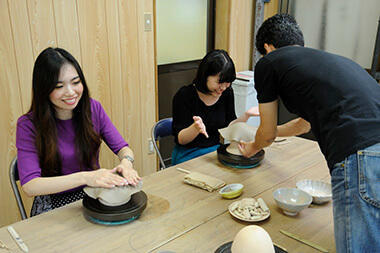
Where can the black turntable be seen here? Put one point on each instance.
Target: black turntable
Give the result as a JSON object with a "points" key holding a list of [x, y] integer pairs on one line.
{"points": [[98, 213], [238, 161], [226, 248]]}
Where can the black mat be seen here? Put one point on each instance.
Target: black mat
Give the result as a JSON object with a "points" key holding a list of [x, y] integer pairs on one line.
{"points": [[226, 248], [238, 160]]}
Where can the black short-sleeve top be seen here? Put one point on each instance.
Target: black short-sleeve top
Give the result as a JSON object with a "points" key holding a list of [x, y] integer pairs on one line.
{"points": [[336, 95], [186, 104]]}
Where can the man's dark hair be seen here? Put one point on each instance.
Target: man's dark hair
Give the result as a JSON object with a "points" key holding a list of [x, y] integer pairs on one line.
{"points": [[279, 30]]}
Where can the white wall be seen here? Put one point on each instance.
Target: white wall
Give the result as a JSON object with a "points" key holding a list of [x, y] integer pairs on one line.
{"points": [[349, 26], [181, 30]]}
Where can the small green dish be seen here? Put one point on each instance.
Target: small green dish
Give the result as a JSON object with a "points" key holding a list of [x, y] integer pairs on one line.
{"points": [[231, 191]]}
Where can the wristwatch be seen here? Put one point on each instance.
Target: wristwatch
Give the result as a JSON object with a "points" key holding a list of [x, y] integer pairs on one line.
{"points": [[129, 158]]}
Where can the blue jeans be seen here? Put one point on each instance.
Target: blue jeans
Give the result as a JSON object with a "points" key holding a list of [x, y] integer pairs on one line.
{"points": [[356, 201]]}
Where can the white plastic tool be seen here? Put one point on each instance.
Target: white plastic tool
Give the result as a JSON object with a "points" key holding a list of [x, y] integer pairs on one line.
{"points": [[18, 239]]}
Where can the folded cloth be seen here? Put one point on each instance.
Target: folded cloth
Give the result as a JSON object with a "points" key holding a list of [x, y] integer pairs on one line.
{"points": [[239, 131], [203, 181]]}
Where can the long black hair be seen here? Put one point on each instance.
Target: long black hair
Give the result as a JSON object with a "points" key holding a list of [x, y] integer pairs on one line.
{"points": [[45, 77], [215, 62], [279, 30]]}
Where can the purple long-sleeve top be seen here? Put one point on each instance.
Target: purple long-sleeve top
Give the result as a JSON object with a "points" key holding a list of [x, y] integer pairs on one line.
{"points": [[27, 155]]}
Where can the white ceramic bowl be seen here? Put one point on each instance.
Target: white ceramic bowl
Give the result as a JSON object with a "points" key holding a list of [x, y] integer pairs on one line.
{"points": [[291, 200], [320, 191]]}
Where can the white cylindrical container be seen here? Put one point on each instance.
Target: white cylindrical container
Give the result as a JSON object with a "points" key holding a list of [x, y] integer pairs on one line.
{"points": [[245, 95]]}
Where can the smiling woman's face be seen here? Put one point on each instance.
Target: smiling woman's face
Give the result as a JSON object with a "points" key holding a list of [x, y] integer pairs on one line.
{"points": [[215, 87], [67, 93]]}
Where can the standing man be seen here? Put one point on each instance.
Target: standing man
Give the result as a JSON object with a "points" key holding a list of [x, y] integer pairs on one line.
{"points": [[340, 102]]}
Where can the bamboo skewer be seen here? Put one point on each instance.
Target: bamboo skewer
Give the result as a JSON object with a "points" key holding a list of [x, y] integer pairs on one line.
{"points": [[183, 170], [3, 246], [307, 242]]}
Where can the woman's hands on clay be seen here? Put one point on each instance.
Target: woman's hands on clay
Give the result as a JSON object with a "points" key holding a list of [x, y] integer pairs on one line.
{"points": [[126, 169], [104, 178]]}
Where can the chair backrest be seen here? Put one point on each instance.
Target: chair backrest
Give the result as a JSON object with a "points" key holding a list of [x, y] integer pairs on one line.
{"points": [[13, 176], [161, 129]]}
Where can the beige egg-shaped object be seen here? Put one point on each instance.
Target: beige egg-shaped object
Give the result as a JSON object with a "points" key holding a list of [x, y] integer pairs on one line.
{"points": [[252, 239]]}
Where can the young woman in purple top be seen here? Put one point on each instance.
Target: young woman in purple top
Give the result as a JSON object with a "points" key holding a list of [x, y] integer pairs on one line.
{"points": [[58, 140]]}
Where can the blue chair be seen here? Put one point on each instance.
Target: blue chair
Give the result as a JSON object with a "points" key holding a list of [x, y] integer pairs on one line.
{"points": [[161, 129], [13, 176]]}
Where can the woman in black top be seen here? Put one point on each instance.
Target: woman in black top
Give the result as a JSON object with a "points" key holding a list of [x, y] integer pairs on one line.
{"points": [[201, 108]]}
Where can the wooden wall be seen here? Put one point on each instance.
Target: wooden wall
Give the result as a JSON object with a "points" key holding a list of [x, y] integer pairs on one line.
{"points": [[117, 57], [234, 27]]}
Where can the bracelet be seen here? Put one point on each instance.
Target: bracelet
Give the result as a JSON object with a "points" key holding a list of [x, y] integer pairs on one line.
{"points": [[129, 158]]}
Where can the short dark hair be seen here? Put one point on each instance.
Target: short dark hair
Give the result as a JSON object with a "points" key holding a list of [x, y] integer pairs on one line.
{"points": [[279, 30], [215, 62]]}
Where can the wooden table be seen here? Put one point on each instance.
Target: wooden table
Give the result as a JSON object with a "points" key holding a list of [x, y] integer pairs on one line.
{"points": [[182, 218]]}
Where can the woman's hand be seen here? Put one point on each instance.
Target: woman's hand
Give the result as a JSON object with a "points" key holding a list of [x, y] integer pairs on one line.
{"points": [[253, 111], [248, 149], [126, 169], [104, 178], [199, 126]]}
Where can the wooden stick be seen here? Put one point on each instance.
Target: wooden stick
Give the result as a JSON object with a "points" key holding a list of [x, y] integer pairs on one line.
{"points": [[3, 246], [307, 242], [183, 170]]}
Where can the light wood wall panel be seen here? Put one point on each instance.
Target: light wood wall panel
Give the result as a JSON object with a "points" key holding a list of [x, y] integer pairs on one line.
{"points": [[94, 49], [234, 28], [10, 110], [24, 54], [222, 21], [241, 25], [271, 9], [66, 19], [130, 64], [115, 78], [42, 24], [117, 57], [147, 74]]}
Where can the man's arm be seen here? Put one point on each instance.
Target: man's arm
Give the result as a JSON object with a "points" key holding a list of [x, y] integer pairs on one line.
{"points": [[268, 129], [294, 127]]}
